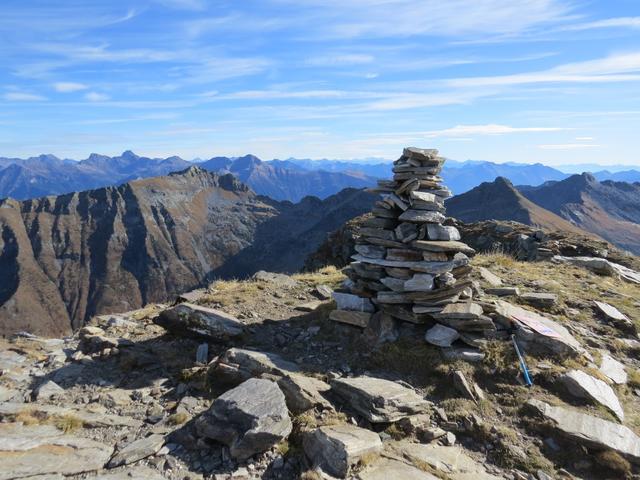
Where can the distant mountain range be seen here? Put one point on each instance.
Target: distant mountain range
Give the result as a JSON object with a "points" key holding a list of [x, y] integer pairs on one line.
{"points": [[66, 258], [291, 179], [609, 210]]}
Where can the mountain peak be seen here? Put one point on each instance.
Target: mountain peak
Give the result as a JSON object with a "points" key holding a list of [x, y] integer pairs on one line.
{"points": [[129, 154]]}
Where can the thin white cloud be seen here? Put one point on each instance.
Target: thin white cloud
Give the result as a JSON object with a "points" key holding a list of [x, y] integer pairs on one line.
{"points": [[617, 22], [489, 129], [584, 139], [340, 60], [614, 68], [96, 97], [23, 97], [68, 87], [568, 146]]}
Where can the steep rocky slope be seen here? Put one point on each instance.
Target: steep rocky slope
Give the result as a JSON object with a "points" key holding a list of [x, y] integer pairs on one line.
{"points": [[69, 257], [608, 209], [500, 200]]}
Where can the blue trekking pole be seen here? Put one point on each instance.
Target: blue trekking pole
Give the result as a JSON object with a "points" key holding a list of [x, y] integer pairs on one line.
{"points": [[523, 365]]}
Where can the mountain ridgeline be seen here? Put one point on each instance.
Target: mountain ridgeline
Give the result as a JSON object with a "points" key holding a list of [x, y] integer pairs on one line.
{"points": [[113, 249]]}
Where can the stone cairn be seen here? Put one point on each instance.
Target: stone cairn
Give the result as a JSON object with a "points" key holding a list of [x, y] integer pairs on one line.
{"points": [[409, 266]]}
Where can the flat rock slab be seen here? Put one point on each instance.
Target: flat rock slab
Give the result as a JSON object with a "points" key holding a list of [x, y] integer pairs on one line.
{"points": [[47, 390], [256, 363], [490, 277], [348, 301], [450, 461], [612, 313], [441, 336], [542, 300], [591, 431], [137, 450], [443, 246], [613, 369], [303, 393], [388, 469], [336, 449], [379, 400], [250, 418], [311, 306], [43, 449], [196, 321], [537, 332], [583, 385], [358, 319], [503, 291], [89, 419]]}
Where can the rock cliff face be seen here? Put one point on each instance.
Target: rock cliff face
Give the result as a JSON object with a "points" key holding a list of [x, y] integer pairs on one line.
{"points": [[66, 258]]}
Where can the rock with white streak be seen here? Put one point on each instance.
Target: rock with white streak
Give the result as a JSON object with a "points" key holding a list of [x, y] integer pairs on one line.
{"points": [[582, 385]]}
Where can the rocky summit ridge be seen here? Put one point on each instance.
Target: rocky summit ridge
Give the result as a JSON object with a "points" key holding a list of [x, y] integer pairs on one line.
{"points": [[255, 379]]}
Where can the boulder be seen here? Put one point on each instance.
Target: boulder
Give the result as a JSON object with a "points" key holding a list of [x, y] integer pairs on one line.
{"points": [[337, 448], [441, 232], [613, 369], [250, 418], [441, 336], [591, 431], [27, 451], [202, 354], [379, 400], [303, 393], [239, 364], [137, 450], [382, 328], [323, 291], [47, 390], [196, 321], [582, 385]]}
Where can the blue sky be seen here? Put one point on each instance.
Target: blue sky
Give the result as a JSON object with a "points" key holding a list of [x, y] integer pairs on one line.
{"points": [[550, 81]]}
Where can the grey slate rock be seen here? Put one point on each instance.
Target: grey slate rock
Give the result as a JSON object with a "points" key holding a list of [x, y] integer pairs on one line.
{"points": [[582, 385], [249, 419], [441, 336], [613, 369], [43, 449], [379, 400], [196, 321], [47, 390], [591, 431], [137, 450], [335, 449]]}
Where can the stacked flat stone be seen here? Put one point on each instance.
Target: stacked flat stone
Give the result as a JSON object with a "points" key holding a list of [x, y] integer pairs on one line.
{"points": [[407, 263]]}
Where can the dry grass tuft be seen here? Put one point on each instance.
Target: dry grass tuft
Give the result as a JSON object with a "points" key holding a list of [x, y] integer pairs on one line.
{"points": [[177, 418], [67, 423], [614, 462]]}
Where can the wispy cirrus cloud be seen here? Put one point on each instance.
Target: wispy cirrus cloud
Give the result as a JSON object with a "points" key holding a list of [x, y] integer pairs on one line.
{"points": [[618, 22], [568, 146], [69, 87], [488, 129], [96, 97], [23, 97]]}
